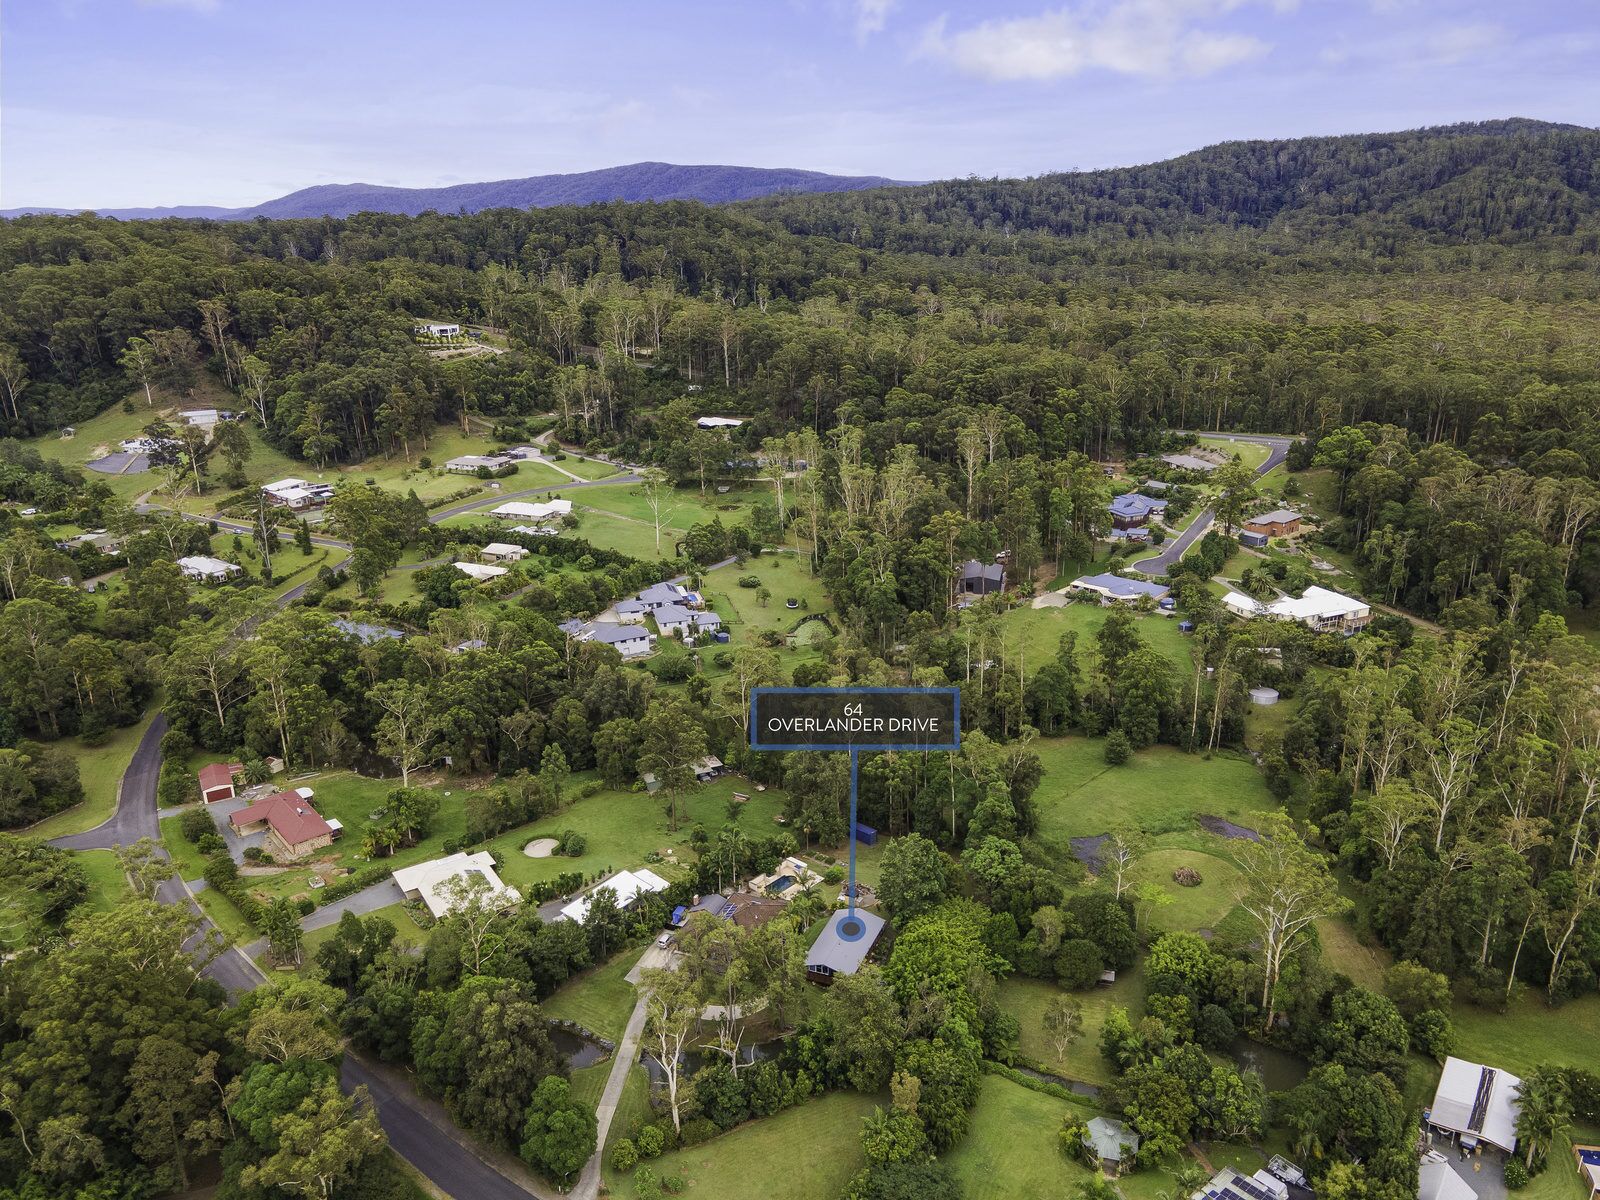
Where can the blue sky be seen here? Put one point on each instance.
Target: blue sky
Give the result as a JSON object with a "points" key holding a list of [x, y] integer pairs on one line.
{"points": [[128, 102]]}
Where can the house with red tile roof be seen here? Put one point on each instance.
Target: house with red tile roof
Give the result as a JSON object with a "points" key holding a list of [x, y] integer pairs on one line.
{"points": [[294, 829]]}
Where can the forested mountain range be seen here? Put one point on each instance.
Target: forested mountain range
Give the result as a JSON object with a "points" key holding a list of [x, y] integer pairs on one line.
{"points": [[633, 182]]}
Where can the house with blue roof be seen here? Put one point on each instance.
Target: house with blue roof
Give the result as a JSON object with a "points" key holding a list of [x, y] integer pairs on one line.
{"points": [[1133, 511], [1115, 589]]}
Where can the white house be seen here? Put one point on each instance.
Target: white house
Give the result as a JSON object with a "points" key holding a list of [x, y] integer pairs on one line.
{"points": [[684, 622], [630, 641], [469, 464], [628, 886], [1229, 1184], [533, 530], [503, 552], [297, 494], [1437, 1180], [429, 881], [437, 329], [1474, 1103], [1320, 608], [520, 510], [719, 422], [481, 572], [658, 595], [630, 612], [205, 569], [1114, 588]]}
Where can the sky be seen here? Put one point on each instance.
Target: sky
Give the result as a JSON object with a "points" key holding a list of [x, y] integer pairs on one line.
{"points": [[152, 102]]}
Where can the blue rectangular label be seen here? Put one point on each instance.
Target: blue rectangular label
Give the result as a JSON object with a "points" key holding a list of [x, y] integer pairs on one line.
{"points": [[855, 718]]}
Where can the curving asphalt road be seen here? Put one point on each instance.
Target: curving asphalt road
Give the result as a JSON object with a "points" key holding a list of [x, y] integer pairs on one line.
{"points": [[136, 817], [1161, 563]]}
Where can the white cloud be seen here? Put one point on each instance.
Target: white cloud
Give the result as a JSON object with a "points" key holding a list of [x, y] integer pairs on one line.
{"points": [[1457, 42], [1131, 37], [872, 16]]}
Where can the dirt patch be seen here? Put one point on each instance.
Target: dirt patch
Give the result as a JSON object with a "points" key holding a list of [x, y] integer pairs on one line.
{"points": [[541, 847], [1225, 828]]}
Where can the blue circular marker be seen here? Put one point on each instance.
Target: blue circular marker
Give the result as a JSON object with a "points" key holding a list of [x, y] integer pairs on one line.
{"points": [[851, 929]]}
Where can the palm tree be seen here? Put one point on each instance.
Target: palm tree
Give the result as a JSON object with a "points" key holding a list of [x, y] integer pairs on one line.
{"points": [[732, 845], [1545, 1111]]}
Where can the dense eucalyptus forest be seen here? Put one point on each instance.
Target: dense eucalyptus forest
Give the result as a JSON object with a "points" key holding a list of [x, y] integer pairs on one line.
{"points": [[925, 375]]}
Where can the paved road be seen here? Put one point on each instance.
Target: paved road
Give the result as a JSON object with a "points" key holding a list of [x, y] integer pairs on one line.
{"points": [[135, 816], [414, 1128], [368, 899], [1174, 550]]}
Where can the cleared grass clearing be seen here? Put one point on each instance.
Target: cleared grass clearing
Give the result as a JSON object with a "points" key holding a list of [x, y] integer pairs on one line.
{"points": [[683, 508], [1012, 1148], [620, 828], [101, 769], [1191, 908], [588, 468], [1040, 630], [1252, 454], [1027, 1000], [600, 999], [1529, 1033], [1159, 790], [786, 576], [108, 886], [802, 1153]]}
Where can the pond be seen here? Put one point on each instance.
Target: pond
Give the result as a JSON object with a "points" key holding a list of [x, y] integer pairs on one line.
{"points": [[1279, 1069], [1076, 1086], [693, 1060], [578, 1050]]}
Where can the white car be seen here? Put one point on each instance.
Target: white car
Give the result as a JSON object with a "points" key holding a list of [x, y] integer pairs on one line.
{"points": [[664, 940]]}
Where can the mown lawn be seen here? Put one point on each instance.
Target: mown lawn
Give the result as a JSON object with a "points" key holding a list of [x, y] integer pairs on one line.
{"points": [[1158, 790], [1039, 631], [633, 1109], [1530, 1033], [786, 576], [1027, 999], [1191, 908], [600, 999], [622, 827], [1012, 1146], [108, 886], [588, 468], [803, 1153], [1252, 454], [683, 507], [100, 768], [351, 799]]}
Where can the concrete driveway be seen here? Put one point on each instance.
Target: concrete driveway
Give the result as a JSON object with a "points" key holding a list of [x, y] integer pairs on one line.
{"points": [[237, 843]]}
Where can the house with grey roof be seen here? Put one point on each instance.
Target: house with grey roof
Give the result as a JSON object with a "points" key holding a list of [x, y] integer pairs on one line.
{"points": [[1113, 589], [630, 641], [839, 952], [685, 622], [982, 579], [1112, 1143]]}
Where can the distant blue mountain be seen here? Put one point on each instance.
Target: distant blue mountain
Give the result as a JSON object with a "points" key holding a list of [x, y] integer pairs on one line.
{"points": [[637, 181]]}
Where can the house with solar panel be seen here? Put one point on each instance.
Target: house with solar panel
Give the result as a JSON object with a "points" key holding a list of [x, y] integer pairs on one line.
{"points": [[1229, 1184], [1114, 589], [1474, 1106]]}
